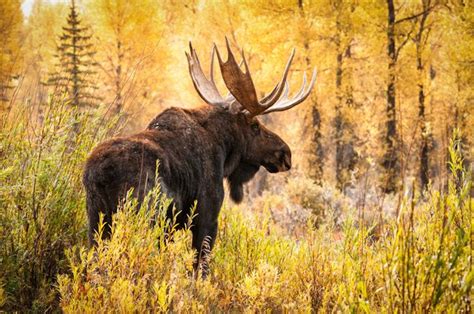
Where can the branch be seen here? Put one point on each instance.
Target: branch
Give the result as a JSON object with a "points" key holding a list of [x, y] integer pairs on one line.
{"points": [[325, 38], [428, 31], [404, 42], [400, 7], [416, 15]]}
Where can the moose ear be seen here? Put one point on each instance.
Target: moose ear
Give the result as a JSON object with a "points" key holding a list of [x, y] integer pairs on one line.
{"points": [[235, 107]]}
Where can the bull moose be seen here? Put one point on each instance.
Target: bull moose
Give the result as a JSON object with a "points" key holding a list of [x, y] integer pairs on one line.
{"points": [[196, 148]]}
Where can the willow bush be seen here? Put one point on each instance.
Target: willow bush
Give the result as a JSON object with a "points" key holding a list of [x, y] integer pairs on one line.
{"points": [[420, 261], [41, 198]]}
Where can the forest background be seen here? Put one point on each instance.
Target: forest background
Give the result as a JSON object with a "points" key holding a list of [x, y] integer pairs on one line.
{"points": [[394, 91]]}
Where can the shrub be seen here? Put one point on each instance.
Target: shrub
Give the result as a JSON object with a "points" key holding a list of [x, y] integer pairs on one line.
{"points": [[3, 299], [325, 202], [421, 262], [41, 198]]}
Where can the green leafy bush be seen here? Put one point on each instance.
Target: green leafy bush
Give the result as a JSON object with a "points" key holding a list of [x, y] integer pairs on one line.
{"points": [[420, 261], [41, 199]]}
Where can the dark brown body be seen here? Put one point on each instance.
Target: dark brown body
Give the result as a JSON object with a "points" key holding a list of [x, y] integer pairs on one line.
{"points": [[197, 149]]}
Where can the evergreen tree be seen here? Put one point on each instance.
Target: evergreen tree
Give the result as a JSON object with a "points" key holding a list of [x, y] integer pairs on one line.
{"points": [[76, 64]]}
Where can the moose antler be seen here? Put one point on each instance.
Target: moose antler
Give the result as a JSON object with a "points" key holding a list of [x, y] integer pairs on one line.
{"points": [[207, 89], [240, 84], [241, 87], [284, 103]]}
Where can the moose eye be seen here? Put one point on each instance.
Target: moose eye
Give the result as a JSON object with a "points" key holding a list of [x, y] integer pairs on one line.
{"points": [[255, 127]]}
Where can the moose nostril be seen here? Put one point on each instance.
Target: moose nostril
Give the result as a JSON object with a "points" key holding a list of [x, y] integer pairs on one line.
{"points": [[285, 159], [288, 162]]}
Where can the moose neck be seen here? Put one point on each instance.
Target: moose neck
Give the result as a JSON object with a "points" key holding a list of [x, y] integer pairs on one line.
{"points": [[226, 135]]}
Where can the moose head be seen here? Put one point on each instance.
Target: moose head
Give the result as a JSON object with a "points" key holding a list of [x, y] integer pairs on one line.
{"points": [[261, 146]]}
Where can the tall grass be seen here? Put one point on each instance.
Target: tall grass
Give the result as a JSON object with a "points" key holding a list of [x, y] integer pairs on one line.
{"points": [[41, 198], [420, 261]]}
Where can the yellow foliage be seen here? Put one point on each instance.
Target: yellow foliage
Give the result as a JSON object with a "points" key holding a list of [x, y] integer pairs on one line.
{"points": [[253, 269], [11, 20], [3, 297], [299, 247], [418, 261]]}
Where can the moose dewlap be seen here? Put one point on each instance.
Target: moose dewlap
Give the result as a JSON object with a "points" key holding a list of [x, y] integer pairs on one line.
{"points": [[196, 149]]}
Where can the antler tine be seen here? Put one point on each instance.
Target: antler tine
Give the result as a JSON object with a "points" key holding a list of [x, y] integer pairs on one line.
{"points": [[247, 71], [239, 84], [230, 55], [211, 74], [206, 88], [285, 104], [270, 95], [303, 86], [286, 91], [279, 89]]}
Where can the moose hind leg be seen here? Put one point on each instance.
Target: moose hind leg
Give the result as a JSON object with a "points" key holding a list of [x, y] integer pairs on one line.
{"points": [[205, 228], [97, 202], [204, 236]]}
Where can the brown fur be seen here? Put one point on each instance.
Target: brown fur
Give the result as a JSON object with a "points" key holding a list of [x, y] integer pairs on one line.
{"points": [[197, 149]]}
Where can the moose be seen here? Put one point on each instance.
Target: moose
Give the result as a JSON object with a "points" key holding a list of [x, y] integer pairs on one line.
{"points": [[197, 149]]}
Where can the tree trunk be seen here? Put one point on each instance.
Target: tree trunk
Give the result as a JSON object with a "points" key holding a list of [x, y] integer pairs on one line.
{"points": [[420, 41], [339, 120], [118, 106], [316, 171], [424, 158], [346, 156], [390, 160], [317, 156], [75, 58], [424, 153]]}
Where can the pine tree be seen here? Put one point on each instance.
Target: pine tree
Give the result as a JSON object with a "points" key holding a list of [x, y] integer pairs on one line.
{"points": [[75, 62]]}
